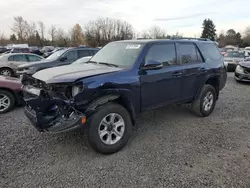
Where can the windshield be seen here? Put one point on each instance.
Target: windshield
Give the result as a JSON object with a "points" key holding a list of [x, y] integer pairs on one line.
{"points": [[55, 55], [235, 54], [82, 60], [118, 53]]}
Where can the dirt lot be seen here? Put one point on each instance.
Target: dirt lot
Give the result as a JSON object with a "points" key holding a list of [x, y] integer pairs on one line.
{"points": [[170, 147]]}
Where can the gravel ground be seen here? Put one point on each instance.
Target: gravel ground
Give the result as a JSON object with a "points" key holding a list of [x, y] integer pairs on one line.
{"points": [[170, 147]]}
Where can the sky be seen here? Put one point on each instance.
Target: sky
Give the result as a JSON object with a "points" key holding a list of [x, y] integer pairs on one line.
{"points": [[182, 16]]}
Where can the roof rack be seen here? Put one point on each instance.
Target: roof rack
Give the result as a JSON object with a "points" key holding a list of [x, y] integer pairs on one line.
{"points": [[189, 38]]}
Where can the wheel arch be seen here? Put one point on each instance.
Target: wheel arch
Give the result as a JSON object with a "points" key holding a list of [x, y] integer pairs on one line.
{"points": [[213, 81], [117, 98]]}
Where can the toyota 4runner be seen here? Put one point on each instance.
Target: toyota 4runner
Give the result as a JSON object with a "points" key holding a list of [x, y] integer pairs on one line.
{"points": [[123, 79]]}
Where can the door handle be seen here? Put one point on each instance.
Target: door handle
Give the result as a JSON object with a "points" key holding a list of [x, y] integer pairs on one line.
{"points": [[203, 70], [177, 74]]}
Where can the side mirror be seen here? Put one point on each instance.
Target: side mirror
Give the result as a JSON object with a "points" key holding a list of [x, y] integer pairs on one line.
{"points": [[152, 65], [64, 58]]}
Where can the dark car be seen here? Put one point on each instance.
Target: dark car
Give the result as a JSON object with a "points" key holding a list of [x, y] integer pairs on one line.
{"points": [[242, 71], [10, 93], [59, 58], [123, 79], [35, 50], [3, 49]]}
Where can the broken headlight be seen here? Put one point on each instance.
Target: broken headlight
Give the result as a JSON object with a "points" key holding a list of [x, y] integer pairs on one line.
{"points": [[76, 89]]}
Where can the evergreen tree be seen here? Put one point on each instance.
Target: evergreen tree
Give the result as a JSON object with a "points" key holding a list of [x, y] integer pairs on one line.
{"points": [[13, 37], [209, 30]]}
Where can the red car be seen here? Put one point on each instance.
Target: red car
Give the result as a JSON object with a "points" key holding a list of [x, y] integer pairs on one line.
{"points": [[10, 93]]}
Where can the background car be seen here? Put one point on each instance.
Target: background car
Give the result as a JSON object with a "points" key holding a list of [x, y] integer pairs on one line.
{"points": [[82, 60], [59, 58], [47, 54], [10, 93], [232, 58], [47, 49], [2, 49], [247, 49], [10, 62], [20, 50], [242, 71]]}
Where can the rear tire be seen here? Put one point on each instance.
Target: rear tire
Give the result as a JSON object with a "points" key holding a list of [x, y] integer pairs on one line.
{"points": [[204, 105], [7, 101], [109, 128]]}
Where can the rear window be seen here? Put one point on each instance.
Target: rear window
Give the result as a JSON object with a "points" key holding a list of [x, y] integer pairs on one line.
{"points": [[210, 51]]}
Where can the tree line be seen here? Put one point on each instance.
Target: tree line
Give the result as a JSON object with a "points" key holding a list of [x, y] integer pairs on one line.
{"points": [[231, 37], [104, 30]]}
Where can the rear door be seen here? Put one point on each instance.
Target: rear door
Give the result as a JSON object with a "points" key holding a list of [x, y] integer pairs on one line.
{"points": [[17, 59], [193, 66], [162, 86]]}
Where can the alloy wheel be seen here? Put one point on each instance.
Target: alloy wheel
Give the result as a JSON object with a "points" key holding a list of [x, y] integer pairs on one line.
{"points": [[111, 128], [208, 101], [4, 102], [5, 72]]}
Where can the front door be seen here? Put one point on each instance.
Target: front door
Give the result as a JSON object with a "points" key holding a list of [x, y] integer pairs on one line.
{"points": [[162, 86], [68, 58]]}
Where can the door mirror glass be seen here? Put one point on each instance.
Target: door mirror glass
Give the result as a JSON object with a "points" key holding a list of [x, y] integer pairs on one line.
{"points": [[152, 65], [64, 58]]}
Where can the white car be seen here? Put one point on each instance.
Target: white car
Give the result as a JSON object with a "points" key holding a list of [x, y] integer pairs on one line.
{"points": [[247, 50]]}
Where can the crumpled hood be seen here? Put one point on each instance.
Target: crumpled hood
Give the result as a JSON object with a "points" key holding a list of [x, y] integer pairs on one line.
{"points": [[27, 65], [245, 64], [71, 73]]}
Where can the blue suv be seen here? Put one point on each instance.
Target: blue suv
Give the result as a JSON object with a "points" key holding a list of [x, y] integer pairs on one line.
{"points": [[125, 78]]}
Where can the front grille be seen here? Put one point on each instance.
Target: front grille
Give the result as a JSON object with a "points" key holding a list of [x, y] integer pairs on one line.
{"points": [[246, 70]]}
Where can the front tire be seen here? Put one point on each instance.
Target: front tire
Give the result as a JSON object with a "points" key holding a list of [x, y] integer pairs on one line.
{"points": [[204, 105], [7, 101], [109, 128]]}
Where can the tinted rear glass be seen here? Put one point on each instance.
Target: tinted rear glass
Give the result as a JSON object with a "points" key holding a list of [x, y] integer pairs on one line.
{"points": [[210, 51]]}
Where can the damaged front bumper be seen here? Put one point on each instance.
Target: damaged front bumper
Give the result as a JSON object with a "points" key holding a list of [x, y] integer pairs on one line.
{"points": [[47, 112]]}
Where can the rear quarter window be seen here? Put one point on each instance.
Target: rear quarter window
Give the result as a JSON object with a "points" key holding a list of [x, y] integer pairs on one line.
{"points": [[209, 51]]}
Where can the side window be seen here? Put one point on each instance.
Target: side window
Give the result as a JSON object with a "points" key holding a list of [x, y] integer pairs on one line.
{"points": [[94, 52], [11, 58], [84, 53], [18, 58], [72, 55], [164, 53], [188, 53], [33, 58], [210, 51]]}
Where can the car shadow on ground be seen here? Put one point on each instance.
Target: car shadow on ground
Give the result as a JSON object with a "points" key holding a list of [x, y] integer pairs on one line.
{"points": [[77, 140]]}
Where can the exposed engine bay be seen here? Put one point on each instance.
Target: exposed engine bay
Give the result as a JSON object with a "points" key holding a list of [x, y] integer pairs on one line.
{"points": [[50, 107]]}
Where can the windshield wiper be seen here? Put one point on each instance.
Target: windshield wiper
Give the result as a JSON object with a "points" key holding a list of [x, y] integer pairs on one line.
{"points": [[109, 64], [92, 62]]}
